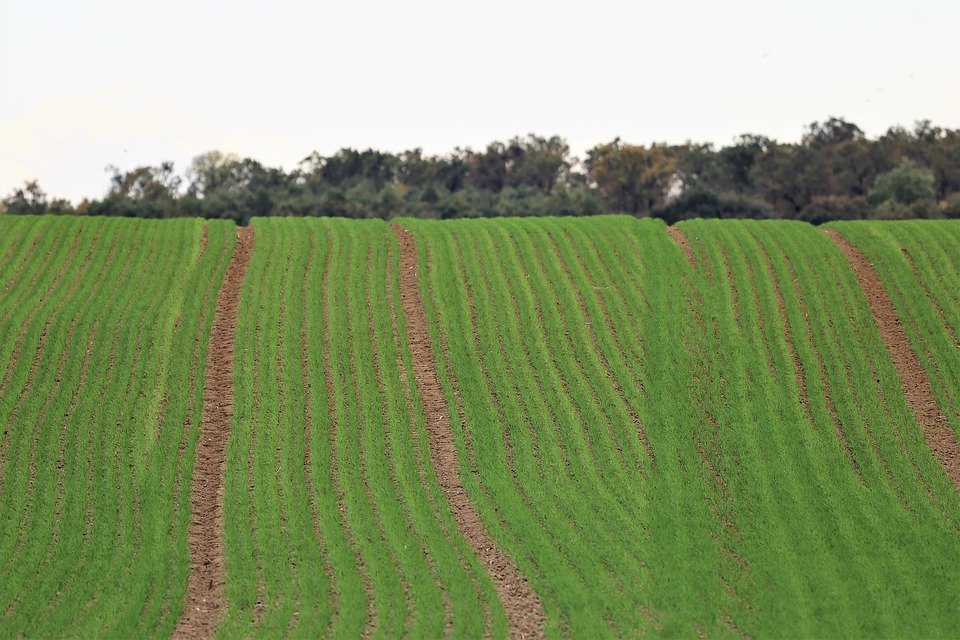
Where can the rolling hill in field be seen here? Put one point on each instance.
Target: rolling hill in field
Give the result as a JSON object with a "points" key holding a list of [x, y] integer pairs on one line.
{"points": [[560, 427]]}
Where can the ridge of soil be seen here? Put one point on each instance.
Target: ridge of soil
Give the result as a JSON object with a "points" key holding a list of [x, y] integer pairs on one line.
{"points": [[913, 377], [205, 586], [524, 610]]}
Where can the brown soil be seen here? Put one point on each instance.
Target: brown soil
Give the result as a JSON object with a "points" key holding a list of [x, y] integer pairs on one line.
{"points": [[205, 586], [681, 239], [524, 611], [916, 385], [390, 294]]}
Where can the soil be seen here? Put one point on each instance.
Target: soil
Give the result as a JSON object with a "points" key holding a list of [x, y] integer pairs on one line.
{"points": [[205, 587], [681, 239], [916, 385], [524, 611]]}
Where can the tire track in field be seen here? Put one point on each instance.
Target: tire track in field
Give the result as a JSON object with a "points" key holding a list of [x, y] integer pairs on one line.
{"points": [[681, 239], [390, 295], [391, 455], [205, 585], [896, 431], [525, 615], [192, 378], [913, 377], [459, 408]]}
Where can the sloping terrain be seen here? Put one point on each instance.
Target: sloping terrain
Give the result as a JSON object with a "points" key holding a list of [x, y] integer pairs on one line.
{"points": [[558, 427]]}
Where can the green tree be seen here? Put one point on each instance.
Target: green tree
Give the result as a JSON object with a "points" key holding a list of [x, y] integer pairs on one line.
{"points": [[906, 184], [631, 178]]}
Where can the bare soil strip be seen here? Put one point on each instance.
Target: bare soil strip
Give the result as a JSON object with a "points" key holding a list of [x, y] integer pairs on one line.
{"points": [[390, 295], [916, 385], [205, 586], [681, 239], [524, 611]]}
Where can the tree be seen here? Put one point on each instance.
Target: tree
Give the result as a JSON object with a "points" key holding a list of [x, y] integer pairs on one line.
{"points": [[31, 199], [830, 132], [631, 178], [906, 184]]}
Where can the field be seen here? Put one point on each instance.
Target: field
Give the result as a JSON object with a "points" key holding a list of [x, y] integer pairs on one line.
{"points": [[592, 427]]}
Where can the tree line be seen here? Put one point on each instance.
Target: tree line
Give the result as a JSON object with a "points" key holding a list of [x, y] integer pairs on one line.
{"points": [[835, 172]]}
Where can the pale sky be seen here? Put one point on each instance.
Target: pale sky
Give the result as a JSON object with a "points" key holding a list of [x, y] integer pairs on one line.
{"points": [[87, 84]]}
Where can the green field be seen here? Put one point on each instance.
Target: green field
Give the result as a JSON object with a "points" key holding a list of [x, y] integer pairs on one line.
{"points": [[919, 263], [719, 446], [104, 325]]}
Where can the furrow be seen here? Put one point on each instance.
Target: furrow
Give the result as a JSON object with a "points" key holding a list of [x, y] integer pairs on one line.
{"points": [[524, 610], [916, 385], [205, 586]]}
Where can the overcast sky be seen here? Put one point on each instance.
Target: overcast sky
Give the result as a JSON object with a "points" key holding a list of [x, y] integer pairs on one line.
{"points": [[87, 84]]}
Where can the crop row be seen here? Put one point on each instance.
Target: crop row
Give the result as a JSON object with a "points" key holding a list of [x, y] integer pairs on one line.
{"points": [[919, 264], [105, 323], [723, 448], [707, 439], [335, 523]]}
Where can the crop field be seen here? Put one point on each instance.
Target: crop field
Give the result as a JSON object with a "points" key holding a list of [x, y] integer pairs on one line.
{"points": [[543, 427], [918, 264], [104, 325]]}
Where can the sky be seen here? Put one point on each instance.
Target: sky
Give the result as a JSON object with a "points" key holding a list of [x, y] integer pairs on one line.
{"points": [[88, 84]]}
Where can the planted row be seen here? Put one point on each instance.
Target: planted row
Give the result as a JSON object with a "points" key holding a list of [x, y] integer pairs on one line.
{"points": [[107, 323]]}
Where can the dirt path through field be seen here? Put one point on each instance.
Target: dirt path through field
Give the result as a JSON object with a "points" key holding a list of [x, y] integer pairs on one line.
{"points": [[205, 597], [524, 611], [681, 239], [916, 385]]}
